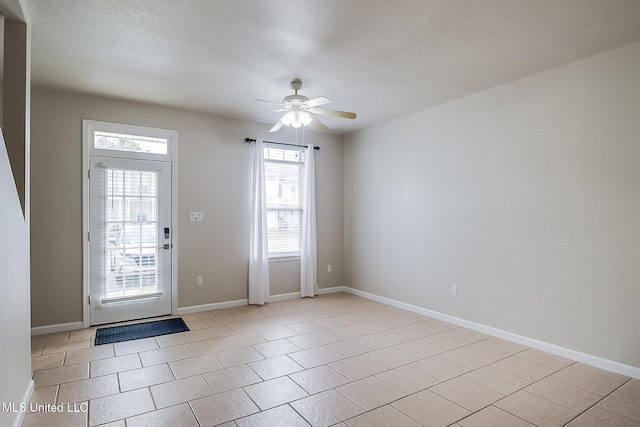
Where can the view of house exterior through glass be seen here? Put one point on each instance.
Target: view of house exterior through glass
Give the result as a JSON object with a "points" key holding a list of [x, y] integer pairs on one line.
{"points": [[130, 143], [131, 207]]}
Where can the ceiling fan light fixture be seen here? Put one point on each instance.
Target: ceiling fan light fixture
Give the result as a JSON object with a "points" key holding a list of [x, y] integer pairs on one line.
{"points": [[304, 118], [297, 119]]}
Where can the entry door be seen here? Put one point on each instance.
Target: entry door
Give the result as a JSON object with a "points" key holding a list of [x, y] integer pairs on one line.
{"points": [[130, 239]]}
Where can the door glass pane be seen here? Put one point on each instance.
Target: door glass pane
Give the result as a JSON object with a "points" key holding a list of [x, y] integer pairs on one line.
{"points": [[133, 143], [131, 224]]}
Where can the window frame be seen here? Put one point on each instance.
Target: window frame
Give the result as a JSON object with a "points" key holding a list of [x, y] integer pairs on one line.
{"points": [[287, 256], [93, 126]]}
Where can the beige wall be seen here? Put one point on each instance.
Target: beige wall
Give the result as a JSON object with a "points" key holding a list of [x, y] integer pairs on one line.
{"points": [[527, 196], [214, 172], [16, 92]]}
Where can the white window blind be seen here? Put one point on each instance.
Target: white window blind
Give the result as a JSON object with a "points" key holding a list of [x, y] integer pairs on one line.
{"points": [[130, 228], [283, 175]]}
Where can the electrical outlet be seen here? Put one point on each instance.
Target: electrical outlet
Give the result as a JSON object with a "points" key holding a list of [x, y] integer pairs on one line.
{"points": [[196, 216], [329, 268], [454, 289], [199, 281]]}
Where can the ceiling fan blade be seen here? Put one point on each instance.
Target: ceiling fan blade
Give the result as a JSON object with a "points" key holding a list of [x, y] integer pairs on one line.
{"points": [[335, 113], [277, 126], [266, 100], [261, 112], [321, 100], [319, 125]]}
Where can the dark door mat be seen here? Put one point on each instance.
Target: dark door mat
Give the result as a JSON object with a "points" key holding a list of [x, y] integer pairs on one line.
{"points": [[140, 330]]}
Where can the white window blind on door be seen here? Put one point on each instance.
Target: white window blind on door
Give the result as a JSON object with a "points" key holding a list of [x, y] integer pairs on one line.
{"points": [[283, 184], [126, 233]]}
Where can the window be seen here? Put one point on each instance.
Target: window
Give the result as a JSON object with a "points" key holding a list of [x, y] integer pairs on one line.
{"points": [[283, 170], [135, 143]]}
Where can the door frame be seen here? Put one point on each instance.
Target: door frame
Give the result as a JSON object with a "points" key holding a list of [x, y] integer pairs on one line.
{"points": [[88, 128]]}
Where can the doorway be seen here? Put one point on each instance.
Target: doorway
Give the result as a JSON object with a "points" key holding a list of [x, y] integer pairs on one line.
{"points": [[129, 253]]}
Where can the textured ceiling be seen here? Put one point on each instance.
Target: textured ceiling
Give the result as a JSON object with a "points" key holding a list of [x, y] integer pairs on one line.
{"points": [[379, 58]]}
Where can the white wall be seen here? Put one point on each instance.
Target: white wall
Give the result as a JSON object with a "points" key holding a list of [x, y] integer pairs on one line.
{"points": [[15, 361], [16, 385], [214, 177], [527, 196]]}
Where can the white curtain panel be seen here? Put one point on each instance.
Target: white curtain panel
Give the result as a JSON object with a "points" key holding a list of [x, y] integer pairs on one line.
{"points": [[309, 249], [258, 252]]}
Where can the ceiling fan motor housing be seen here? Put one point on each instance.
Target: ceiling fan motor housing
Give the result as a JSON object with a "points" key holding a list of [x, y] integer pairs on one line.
{"points": [[296, 84], [295, 101]]}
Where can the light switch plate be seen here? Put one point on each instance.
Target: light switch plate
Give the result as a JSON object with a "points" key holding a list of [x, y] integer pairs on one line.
{"points": [[196, 216]]}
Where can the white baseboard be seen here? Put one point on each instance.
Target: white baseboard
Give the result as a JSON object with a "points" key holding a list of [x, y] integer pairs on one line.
{"points": [[24, 403], [332, 290], [212, 306], [294, 295], [282, 297], [589, 359], [60, 327], [272, 298]]}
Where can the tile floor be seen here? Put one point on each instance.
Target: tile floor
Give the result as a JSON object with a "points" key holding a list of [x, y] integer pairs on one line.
{"points": [[336, 359]]}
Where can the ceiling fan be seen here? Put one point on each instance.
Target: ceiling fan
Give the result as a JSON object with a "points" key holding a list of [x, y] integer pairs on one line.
{"points": [[300, 109]]}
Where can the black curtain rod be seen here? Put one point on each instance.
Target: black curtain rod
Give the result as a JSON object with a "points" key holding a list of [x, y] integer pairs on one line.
{"points": [[279, 143]]}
